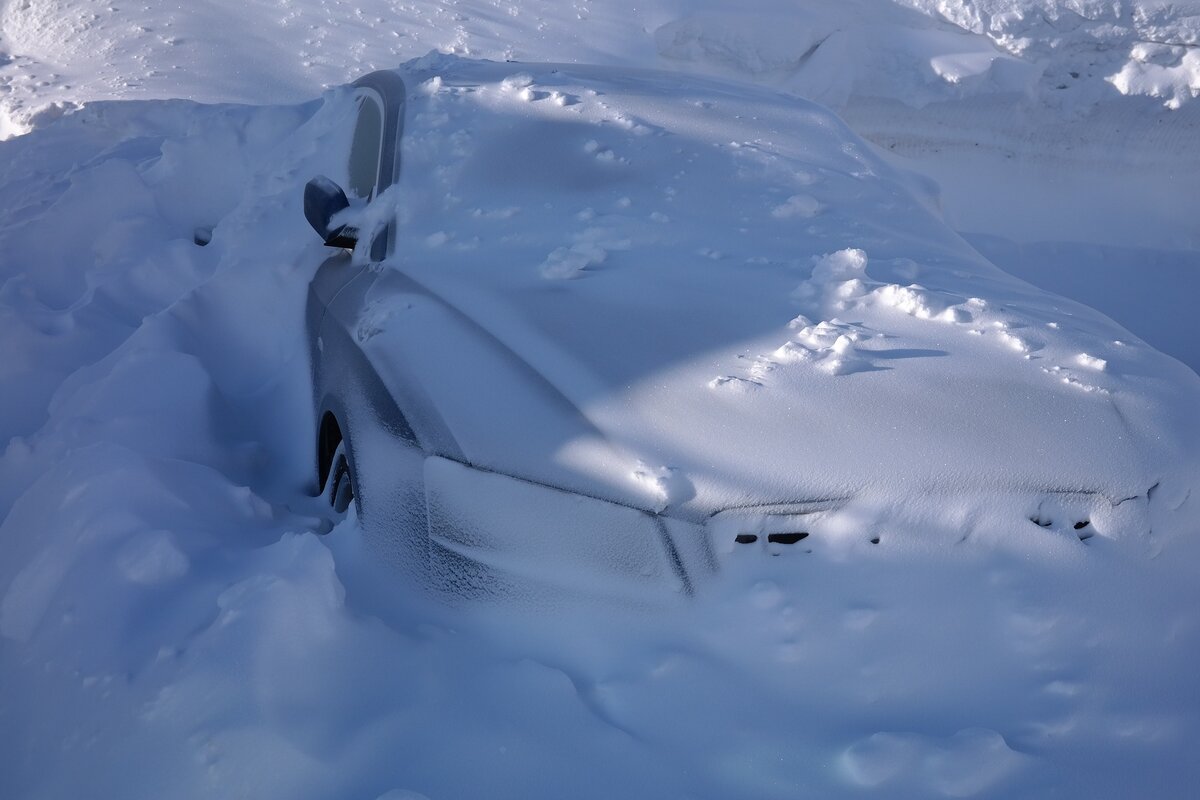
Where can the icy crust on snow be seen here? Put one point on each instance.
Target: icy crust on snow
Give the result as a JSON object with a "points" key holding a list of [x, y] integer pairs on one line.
{"points": [[770, 290]]}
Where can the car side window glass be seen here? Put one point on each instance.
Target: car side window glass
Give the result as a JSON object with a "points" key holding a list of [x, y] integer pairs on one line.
{"points": [[365, 149]]}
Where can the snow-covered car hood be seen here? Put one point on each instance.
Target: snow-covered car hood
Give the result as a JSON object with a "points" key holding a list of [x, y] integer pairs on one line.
{"points": [[786, 320]]}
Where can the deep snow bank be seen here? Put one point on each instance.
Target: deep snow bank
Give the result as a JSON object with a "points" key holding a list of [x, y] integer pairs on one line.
{"points": [[172, 625], [1145, 47]]}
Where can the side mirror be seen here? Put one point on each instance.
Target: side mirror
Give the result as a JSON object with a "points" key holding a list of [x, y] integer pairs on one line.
{"points": [[322, 199]]}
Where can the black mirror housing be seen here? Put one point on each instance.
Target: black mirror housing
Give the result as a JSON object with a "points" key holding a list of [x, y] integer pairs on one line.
{"points": [[322, 200]]}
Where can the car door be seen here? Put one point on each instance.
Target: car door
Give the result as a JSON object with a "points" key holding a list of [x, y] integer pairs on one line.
{"points": [[340, 283]]}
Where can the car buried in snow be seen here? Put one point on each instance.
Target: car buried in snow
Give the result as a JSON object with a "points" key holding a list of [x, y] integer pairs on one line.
{"points": [[611, 333]]}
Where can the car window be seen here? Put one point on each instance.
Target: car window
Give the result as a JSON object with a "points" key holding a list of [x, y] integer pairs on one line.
{"points": [[365, 149]]}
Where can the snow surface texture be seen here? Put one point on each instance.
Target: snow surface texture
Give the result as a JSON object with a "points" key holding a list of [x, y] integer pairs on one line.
{"points": [[172, 626]]}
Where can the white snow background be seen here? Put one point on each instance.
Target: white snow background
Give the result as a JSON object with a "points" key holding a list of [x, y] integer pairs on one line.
{"points": [[171, 622]]}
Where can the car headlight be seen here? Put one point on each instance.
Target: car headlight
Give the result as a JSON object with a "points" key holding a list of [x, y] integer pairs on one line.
{"points": [[492, 534]]}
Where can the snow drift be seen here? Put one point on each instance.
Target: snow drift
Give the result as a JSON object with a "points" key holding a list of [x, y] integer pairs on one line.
{"points": [[174, 625]]}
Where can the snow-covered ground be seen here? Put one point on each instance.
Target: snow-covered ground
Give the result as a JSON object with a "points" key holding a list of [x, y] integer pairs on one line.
{"points": [[171, 624]]}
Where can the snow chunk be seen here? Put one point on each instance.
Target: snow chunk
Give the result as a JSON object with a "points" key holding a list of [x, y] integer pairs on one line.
{"points": [[152, 557], [844, 264], [590, 249], [520, 80], [570, 262], [1015, 342], [1091, 362], [507, 212], [792, 353], [842, 358], [798, 205], [836, 278], [912, 300], [732, 383], [666, 483], [1176, 81], [831, 345]]}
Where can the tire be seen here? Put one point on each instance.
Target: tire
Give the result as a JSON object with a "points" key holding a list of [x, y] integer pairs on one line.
{"points": [[338, 490]]}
